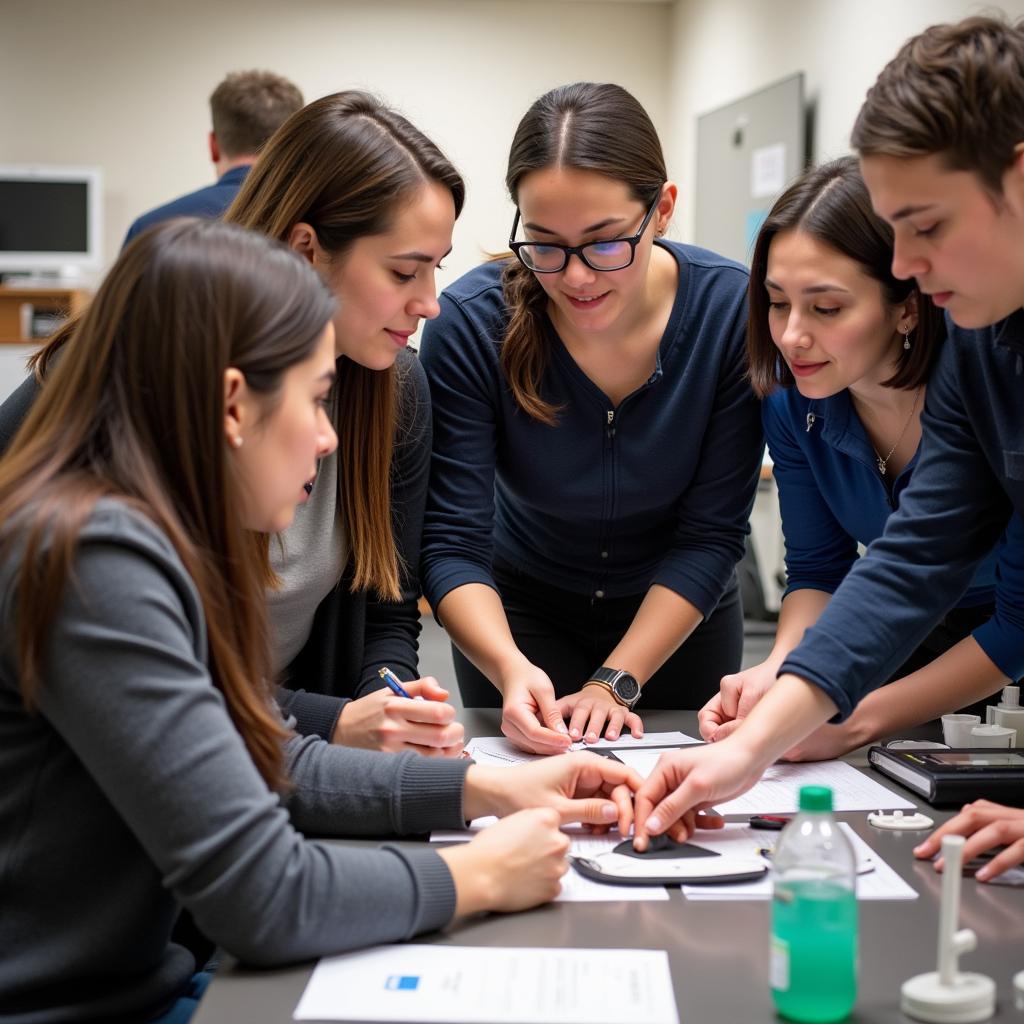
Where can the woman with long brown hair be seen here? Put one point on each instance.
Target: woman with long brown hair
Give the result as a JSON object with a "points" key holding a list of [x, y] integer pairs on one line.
{"points": [[596, 445], [370, 202], [146, 766]]}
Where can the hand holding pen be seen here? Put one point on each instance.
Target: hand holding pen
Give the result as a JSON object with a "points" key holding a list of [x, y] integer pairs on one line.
{"points": [[410, 715]]}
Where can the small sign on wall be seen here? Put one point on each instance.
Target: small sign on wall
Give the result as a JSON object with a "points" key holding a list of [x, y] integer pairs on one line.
{"points": [[767, 171]]}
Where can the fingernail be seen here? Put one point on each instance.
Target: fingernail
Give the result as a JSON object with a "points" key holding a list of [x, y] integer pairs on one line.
{"points": [[591, 737], [609, 812], [561, 728], [574, 733], [919, 848], [612, 734], [653, 824], [983, 873]]}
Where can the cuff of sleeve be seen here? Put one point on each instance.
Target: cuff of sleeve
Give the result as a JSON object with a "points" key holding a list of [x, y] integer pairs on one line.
{"points": [[1002, 646], [436, 587], [699, 578], [431, 794], [316, 714], [435, 888], [839, 696]]}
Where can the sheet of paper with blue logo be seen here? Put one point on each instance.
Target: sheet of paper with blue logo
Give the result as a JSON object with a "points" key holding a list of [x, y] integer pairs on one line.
{"points": [[456, 984]]}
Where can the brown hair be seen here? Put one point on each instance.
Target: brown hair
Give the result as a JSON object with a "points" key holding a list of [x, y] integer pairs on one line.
{"points": [[134, 409], [587, 127], [345, 165], [956, 91], [831, 204], [248, 107]]}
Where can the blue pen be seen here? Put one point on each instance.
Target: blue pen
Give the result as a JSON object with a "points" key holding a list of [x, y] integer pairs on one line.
{"points": [[393, 682]]}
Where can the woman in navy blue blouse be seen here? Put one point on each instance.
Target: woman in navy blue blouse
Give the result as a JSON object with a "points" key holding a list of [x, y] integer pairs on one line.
{"points": [[596, 444], [856, 346]]}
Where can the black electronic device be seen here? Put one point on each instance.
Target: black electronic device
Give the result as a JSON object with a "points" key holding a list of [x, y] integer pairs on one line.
{"points": [[667, 862], [949, 778]]}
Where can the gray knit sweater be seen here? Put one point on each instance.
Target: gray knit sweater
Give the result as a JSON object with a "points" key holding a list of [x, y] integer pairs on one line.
{"points": [[129, 793]]}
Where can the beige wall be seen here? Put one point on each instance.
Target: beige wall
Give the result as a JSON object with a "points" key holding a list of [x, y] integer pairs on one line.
{"points": [[124, 83], [723, 49]]}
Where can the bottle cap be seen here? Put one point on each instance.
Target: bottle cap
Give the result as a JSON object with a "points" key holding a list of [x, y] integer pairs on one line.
{"points": [[815, 798]]}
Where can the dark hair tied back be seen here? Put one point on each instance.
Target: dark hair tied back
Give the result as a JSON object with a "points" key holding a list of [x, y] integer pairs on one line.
{"points": [[582, 127]]}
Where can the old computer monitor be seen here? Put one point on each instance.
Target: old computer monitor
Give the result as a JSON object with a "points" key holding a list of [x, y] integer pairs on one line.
{"points": [[50, 220]]}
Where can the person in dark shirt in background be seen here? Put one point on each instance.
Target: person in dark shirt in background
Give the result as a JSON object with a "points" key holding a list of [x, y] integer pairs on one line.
{"points": [[246, 109]]}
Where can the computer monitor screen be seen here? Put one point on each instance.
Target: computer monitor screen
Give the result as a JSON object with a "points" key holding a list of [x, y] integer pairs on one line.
{"points": [[50, 219]]}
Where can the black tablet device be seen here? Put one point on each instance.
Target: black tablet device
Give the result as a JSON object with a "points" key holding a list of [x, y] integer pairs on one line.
{"points": [[948, 778]]}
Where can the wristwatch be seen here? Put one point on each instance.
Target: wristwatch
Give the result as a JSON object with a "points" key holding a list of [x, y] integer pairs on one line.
{"points": [[622, 686]]}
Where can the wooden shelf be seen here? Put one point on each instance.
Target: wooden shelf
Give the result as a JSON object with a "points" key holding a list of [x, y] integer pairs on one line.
{"points": [[13, 301]]}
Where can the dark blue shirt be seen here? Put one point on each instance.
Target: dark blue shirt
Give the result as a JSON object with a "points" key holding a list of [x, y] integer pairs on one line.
{"points": [[968, 480], [831, 494], [210, 201], [611, 499]]}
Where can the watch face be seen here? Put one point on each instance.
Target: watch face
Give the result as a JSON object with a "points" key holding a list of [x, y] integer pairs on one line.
{"points": [[627, 687]]}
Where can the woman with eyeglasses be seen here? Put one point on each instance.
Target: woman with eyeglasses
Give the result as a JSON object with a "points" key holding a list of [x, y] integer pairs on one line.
{"points": [[596, 444]]}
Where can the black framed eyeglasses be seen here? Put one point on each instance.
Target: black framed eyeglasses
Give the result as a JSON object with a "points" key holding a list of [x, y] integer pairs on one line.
{"points": [[548, 258]]}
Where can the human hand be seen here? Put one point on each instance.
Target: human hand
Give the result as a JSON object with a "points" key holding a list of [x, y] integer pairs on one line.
{"points": [[384, 721], [687, 781], [513, 865], [580, 787], [529, 716], [737, 695], [986, 825], [592, 710]]}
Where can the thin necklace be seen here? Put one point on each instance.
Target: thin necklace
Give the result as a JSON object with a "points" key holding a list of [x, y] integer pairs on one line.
{"points": [[882, 463]]}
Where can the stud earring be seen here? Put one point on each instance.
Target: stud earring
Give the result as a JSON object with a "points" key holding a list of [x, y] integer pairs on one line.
{"points": [[906, 338], [236, 441]]}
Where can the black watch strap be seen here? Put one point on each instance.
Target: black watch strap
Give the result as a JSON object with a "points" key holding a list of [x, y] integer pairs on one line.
{"points": [[623, 686]]}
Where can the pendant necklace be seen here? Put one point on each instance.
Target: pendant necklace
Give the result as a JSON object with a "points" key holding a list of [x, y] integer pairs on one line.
{"points": [[882, 463]]}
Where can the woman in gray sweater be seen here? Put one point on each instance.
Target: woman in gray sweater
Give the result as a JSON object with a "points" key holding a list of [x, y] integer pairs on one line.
{"points": [[188, 412]]}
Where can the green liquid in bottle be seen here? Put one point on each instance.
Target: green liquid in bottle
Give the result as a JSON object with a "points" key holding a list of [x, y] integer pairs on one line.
{"points": [[814, 950]]}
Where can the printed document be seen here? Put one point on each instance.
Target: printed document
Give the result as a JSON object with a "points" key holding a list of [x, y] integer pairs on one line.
{"points": [[457, 984], [777, 792]]}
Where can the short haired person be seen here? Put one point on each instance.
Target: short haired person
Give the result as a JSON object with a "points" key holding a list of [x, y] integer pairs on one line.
{"points": [[840, 351], [245, 110], [941, 141], [188, 412], [596, 443]]}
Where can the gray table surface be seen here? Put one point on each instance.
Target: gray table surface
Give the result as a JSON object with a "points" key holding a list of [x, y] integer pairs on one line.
{"points": [[718, 951]]}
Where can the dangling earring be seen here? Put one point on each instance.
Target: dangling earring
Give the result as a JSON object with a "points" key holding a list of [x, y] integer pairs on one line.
{"points": [[906, 338]]}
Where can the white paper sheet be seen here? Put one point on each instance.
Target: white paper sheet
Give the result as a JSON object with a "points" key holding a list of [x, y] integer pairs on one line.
{"points": [[456, 984], [628, 742], [779, 787], [502, 753], [576, 888], [881, 882]]}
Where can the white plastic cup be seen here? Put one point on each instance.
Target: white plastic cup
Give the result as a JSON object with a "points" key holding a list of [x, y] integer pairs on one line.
{"points": [[992, 736], [956, 729]]}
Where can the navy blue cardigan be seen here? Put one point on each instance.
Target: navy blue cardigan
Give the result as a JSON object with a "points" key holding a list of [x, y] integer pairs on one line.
{"points": [[831, 494], [968, 480], [612, 499]]}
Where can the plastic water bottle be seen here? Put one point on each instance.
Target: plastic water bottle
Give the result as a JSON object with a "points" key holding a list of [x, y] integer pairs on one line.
{"points": [[814, 915]]}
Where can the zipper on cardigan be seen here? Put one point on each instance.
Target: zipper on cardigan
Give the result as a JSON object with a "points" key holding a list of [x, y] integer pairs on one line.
{"points": [[810, 422], [611, 424]]}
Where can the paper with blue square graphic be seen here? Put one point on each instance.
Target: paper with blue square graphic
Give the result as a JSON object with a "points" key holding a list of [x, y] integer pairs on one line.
{"points": [[463, 984]]}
